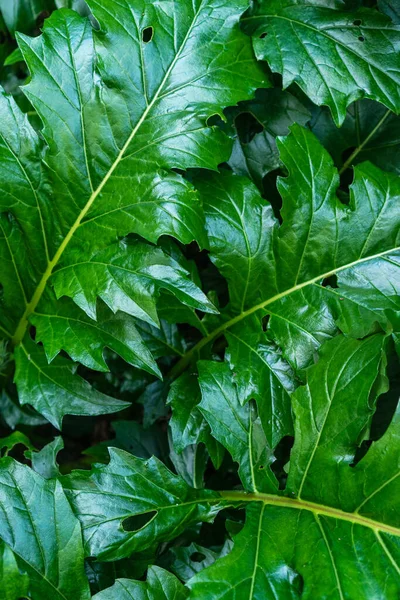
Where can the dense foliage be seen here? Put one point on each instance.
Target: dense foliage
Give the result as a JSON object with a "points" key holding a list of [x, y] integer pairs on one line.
{"points": [[199, 299]]}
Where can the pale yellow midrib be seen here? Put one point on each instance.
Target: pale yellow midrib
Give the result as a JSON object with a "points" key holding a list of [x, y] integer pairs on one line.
{"points": [[318, 509], [23, 323], [184, 361]]}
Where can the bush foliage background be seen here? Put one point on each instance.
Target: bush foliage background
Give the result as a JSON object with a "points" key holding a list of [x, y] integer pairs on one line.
{"points": [[199, 250]]}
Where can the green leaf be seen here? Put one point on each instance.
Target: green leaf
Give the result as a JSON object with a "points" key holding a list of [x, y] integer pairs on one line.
{"points": [[22, 15], [53, 389], [333, 518], [13, 584], [14, 415], [125, 505], [335, 56], [62, 326], [14, 439], [44, 462], [390, 8], [192, 559], [237, 427], [128, 278], [369, 132], [285, 270], [160, 585], [275, 111], [14, 57], [188, 426], [116, 128], [49, 549]]}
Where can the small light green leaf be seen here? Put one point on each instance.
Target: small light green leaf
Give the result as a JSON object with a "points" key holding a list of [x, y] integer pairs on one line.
{"points": [[44, 462]]}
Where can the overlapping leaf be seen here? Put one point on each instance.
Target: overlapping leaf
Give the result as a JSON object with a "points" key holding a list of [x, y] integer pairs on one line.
{"points": [[121, 106], [160, 585], [334, 518], [335, 56], [283, 270], [38, 525], [110, 500]]}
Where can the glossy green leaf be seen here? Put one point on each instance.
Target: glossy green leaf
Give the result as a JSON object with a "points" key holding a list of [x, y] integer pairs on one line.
{"points": [[54, 390], [255, 155], [237, 427], [335, 56], [13, 584], [44, 462], [192, 559], [125, 505], [334, 518], [284, 270], [125, 111], [49, 549], [188, 426], [160, 585]]}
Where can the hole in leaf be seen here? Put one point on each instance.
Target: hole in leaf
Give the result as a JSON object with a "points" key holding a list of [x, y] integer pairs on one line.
{"points": [[263, 35], [357, 22], [247, 127], [197, 557], [261, 467], [138, 522], [330, 281], [361, 38], [147, 35]]}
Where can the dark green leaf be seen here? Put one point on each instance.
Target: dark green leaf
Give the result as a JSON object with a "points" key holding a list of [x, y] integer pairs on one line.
{"points": [[38, 525], [335, 56]]}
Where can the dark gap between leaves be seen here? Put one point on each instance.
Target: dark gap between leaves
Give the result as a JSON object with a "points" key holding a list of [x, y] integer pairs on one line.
{"points": [[282, 457], [247, 127], [197, 557]]}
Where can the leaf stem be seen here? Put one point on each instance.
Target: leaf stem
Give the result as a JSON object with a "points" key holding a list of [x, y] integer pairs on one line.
{"points": [[183, 363], [318, 509], [359, 148]]}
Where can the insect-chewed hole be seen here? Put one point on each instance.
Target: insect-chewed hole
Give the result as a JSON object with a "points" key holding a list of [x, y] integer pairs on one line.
{"points": [[197, 557], [357, 22], [361, 38], [147, 34], [263, 35], [137, 522], [330, 281]]}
